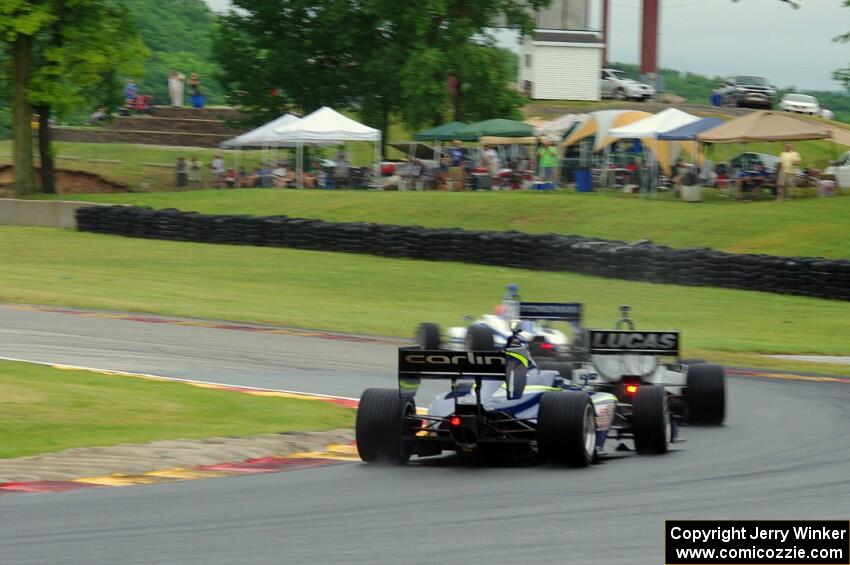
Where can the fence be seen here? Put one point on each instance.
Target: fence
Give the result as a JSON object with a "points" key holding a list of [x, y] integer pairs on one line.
{"points": [[642, 261]]}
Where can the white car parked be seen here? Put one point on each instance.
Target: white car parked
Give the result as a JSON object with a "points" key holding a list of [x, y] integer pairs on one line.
{"points": [[841, 170], [800, 103], [615, 84]]}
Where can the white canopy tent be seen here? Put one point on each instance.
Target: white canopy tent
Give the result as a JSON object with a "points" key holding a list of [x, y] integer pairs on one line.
{"points": [[326, 126], [263, 136]]}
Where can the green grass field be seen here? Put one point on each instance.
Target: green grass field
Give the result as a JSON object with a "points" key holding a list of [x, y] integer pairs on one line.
{"points": [[47, 409], [386, 296], [811, 227]]}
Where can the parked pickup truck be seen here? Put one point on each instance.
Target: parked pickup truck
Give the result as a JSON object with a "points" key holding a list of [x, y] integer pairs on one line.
{"points": [[615, 84], [749, 91]]}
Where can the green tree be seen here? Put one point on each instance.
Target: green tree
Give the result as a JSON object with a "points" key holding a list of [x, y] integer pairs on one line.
{"points": [[19, 23], [421, 59], [65, 53], [78, 56]]}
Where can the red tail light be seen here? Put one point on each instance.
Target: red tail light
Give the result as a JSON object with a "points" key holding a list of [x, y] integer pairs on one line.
{"points": [[455, 421], [631, 389], [546, 346]]}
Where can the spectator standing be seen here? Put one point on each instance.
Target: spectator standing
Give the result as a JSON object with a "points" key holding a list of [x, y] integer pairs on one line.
{"points": [[195, 84], [195, 172], [181, 172], [131, 90], [457, 171], [341, 169], [217, 168], [175, 87], [547, 161], [493, 163], [787, 177]]}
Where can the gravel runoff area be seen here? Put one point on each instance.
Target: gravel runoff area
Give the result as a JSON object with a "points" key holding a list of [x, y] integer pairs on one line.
{"points": [[160, 455]]}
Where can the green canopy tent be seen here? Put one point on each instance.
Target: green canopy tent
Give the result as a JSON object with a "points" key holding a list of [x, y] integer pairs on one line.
{"points": [[445, 132], [498, 127]]}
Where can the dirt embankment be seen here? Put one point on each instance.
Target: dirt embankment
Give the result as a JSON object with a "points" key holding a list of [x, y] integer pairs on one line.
{"points": [[67, 182]]}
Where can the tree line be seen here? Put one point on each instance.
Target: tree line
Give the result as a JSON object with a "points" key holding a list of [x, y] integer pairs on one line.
{"points": [[424, 61]]}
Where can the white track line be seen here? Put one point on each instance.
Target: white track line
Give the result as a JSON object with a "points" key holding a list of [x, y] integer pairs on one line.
{"points": [[175, 379]]}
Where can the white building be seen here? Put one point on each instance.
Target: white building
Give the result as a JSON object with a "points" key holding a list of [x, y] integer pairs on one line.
{"points": [[562, 60]]}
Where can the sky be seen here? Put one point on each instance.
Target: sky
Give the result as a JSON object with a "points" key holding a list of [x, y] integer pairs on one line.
{"points": [[723, 37]]}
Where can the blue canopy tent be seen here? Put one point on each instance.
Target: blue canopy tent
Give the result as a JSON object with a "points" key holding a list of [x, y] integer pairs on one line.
{"points": [[689, 132]]}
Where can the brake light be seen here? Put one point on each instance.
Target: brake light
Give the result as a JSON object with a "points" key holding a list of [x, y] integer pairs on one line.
{"points": [[631, 389], [546, 346], [455, 421]]}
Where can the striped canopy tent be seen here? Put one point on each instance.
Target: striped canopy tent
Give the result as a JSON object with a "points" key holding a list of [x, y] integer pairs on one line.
{"points": [[558, 127], [599, 123], [649, 129]]}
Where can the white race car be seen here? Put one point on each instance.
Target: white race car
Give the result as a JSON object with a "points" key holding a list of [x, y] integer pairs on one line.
{"points": [[491, 331], [623, 360]]}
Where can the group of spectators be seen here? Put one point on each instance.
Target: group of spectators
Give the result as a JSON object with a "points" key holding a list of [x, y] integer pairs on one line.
{"points": [[459, 168], [189, 174]]}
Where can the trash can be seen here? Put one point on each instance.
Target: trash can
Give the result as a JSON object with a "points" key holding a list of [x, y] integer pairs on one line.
{"points": [[584, 180]]}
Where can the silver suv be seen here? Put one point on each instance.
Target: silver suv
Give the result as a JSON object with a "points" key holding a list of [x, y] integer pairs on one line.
{"points": [[615, 84]]}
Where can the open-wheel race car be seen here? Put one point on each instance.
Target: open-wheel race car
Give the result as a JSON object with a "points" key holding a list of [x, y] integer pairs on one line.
{"points": [[623, 361], [492, 331], [499, 403]]}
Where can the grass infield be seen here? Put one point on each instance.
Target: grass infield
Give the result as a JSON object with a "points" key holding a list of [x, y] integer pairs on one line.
{"points": [[47, 409], [373, 295]]}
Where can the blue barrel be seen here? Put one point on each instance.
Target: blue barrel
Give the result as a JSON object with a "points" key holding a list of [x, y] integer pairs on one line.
{"points": [[584, 180]]}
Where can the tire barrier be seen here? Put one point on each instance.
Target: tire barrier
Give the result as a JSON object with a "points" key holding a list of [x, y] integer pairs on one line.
{"points": [[641, 261]]}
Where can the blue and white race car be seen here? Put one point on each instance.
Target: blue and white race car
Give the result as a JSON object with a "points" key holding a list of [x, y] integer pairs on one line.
{"points": [[500, 403]]}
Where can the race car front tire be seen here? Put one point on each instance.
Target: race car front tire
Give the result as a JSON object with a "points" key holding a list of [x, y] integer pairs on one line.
{"points": [[479, 338], [428, 336], [380, 426], [651, 420], [566, 428], [706, 394]]}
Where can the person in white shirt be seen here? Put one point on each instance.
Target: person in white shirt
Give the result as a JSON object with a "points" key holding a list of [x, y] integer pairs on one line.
{"points": [[218, 170], [175, 87], [826, 113]]}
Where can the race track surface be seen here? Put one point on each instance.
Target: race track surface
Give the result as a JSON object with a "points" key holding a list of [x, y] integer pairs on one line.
{"points": [[784, 453]]}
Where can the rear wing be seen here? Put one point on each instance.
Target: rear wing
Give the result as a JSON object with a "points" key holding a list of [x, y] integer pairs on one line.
{"points": [[415, 364], [617, 342], [565, 312]]}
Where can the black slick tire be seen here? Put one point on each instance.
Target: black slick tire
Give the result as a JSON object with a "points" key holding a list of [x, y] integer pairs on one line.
{"points": [[650, 420], [380, 426], [428, 336], [479, 338], [565, 423], [706, 394]]}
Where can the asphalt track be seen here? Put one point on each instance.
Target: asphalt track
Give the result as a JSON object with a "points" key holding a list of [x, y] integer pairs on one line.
{"points": [[784, 453]]}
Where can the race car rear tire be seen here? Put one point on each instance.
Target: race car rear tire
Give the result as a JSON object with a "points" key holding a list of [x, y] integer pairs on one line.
{"points": [[479, 338], [380, 426], [428, 336], [566, 428], [651, 420], [706, 394]]}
